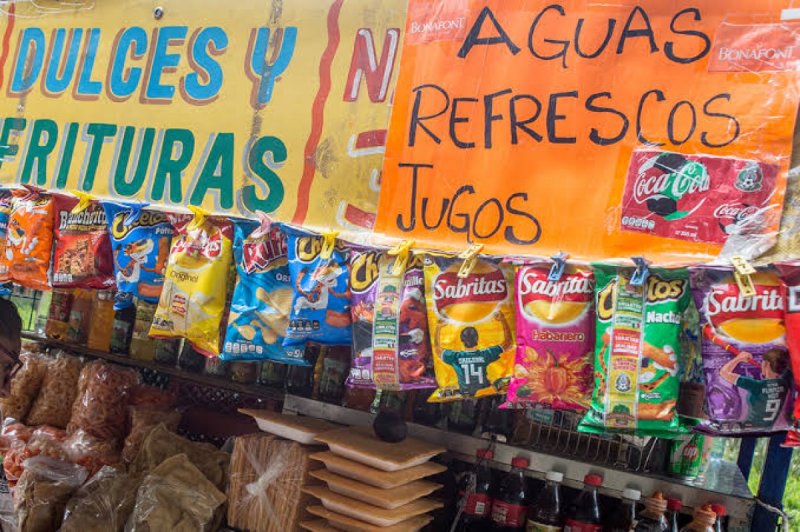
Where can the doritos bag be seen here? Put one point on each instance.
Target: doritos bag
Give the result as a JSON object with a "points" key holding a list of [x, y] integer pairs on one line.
{"points": [[192, 301], [555, 338], [472, 327], [262, 297], [140, 242], [6, 202], [391, 345], [29, 240], [637, 352], [790, 280], [745, 359], [321, 301], [82, 256]]}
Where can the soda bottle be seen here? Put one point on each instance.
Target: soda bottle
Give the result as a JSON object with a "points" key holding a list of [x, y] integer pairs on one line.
{"points": [[545, 514], [475, 494], [721, 512], [510, 506], [652, 519], [702, 520], [673, 513], [623, 519], [584, 514]]}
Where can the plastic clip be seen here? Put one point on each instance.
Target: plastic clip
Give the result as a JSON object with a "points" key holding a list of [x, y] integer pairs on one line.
{"points": [[742, 270], [470, 256], [84, 200], [199, 219], [402, 252], [328, 243], [642, 272], [557, 269], [265, 225]]}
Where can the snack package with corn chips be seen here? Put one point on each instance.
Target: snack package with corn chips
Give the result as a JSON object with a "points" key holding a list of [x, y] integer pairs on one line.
{"points": [[637, 351], [391, 345], [790, 287], [262, 297], [140, 242], [29, 239], [555, 338], [6, 203], [472, 326], [82, 256], [746, 365], [192, 301], [320, 309]]}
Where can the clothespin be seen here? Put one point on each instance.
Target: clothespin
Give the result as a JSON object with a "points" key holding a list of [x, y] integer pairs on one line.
{"points": [[328, 243], [84, 200], [642, 272], [470, 256], [402, 252], [742, 270], [557, 269], [264, 227], [199, 219]]}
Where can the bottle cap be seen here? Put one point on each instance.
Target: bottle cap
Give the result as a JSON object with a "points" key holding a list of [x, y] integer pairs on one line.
{"points": [[485, 454], [520, 461], [555, 476], [632, 494], [674, 505], [593, 480], [719, 509], [656, 504]]}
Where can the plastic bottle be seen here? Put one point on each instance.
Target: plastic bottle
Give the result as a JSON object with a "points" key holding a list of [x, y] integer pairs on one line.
{"points": [[652, 519], [475, 494], [702, 520], [623, 519], [123, 330], [721, 512], [545, 514], [510, 506], [584, 514], [673, 514], [101, 325]]}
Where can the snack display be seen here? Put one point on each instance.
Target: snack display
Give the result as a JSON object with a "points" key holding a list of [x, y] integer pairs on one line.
{"points": [[790, 289], [472, 326], [6, 204], [555, 338], [748, 378], [193, 298], [637, 349], [24, 387], [262, 297], [29, 239], [53, 405]]}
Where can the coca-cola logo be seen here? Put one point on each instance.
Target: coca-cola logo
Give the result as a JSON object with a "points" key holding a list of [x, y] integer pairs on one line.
{"points": [[735, 211], [664, 181], [449, 289], [675, 185]]}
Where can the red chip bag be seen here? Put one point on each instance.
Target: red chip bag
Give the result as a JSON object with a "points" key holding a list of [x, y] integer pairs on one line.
{"points": [[790, 280], [30, 239], [82, 257]]}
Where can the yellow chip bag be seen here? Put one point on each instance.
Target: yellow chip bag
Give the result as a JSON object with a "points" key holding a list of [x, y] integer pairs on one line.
{"points": [[193, 299], [471, 320]]}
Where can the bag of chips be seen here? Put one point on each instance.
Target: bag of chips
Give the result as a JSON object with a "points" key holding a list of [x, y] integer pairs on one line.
{"points": [[321, 301], [192, 301], [6, 204], [637, 351], [29, 239], [262, 296], [82, 257], [790, 285], [745, 359], [472, 326], [555, 338], [391, 345]]}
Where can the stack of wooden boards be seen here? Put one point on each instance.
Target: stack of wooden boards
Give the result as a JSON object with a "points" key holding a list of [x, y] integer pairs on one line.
{"points": [[361, 482]]}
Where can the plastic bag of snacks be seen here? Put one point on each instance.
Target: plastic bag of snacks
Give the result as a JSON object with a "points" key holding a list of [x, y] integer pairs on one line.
{"points": [[192, 301], [43, 492], [745, 360], [25, 386], [6, 204], [53, 406], [143, 420], [790, 281], [555, 338], [29, 239], [262, 297], [391, 345], [472, 326], [637, 351], [140, 240], [321, 301], [93, 453], [82, 256]]}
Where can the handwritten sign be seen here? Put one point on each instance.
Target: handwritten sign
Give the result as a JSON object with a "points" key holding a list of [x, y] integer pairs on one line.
{"points": [[515, 125]]}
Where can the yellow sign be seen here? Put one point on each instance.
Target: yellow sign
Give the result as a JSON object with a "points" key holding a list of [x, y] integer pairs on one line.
{"points": [[238, 107]]}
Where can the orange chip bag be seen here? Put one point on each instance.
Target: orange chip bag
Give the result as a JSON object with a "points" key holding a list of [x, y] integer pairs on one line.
{"points": [[471, 320], [29, 240]]}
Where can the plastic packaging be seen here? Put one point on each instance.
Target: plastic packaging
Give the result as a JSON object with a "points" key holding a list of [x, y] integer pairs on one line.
{"points": [[623, 519], [510, 505], [82, 255], [80, 316], [91, 452], [475, 495], [43, 491], [102, 504], [53, 405], [545, 513], [101, 326], [584, 514], [6, 204], [29, 240], [143, 420], [25, 386], [57, 326], [790, 289]]}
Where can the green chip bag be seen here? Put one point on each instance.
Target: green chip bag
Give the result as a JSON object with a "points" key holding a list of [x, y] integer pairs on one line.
{"points": [[637, 352]]}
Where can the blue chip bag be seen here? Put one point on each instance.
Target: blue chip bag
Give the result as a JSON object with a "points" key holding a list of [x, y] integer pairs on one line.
{"points": [[140, 240], [321, 304], [262, 297]]}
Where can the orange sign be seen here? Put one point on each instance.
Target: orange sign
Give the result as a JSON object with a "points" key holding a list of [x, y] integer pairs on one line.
{"points": [[589, 127]]}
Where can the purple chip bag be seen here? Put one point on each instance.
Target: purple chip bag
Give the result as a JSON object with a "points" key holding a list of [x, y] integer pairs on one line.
{"points": [[745, 360]]}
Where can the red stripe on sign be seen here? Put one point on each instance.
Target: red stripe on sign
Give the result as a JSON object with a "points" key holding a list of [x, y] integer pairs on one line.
{"points": [[359, 217], [6, 41], [371, 139], [317, 117]]}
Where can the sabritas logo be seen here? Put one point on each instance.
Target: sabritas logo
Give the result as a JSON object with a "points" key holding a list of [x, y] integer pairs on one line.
{"points": [[666, 182], [725, 302], [209, 245], [534, 283], [489, 287]]}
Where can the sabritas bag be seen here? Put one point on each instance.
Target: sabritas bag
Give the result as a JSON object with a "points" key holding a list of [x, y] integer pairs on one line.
{"points": [[790, 277], [471, 321], [745, 360], [637, 352], [82, 257]]}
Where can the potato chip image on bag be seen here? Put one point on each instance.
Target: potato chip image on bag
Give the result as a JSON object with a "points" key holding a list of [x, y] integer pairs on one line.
{"points": [[749, 385], [472, 326], [29, 239], [192, 301], [262, 297]]}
